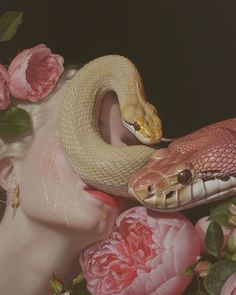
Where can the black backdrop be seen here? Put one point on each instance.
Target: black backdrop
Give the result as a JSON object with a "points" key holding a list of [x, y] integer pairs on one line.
{"points": [[185, 50]]}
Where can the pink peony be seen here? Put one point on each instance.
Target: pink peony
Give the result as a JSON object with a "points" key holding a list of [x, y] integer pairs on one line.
{"points": [[201, 227], [4, 90], [34, 73], [229, 287], [147, 253]]}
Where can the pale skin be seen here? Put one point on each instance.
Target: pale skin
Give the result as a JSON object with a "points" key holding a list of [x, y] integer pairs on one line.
{"points": [[56, 218]]}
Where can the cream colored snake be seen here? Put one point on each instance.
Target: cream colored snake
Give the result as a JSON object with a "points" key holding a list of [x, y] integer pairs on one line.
{"points": [[129, 171]]}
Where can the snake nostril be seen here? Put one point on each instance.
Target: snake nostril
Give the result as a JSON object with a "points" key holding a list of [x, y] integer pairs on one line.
{"points": [[185, 176]]}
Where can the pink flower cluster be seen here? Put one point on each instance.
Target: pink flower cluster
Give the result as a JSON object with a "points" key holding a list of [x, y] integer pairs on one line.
{"points": [[32, 75], [146, 254]]}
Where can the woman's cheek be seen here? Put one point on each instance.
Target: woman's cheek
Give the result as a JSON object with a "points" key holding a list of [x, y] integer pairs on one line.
{"points": [[49, 173]]}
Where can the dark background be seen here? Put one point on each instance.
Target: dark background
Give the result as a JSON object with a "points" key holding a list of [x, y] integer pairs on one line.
{"points": [[185, 50]]}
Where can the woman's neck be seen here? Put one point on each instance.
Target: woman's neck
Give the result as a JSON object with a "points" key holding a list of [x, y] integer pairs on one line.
{"points": [[30, 252]]}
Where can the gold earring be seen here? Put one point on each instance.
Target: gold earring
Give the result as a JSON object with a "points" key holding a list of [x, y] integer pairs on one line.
{"points": [[15, 202]]}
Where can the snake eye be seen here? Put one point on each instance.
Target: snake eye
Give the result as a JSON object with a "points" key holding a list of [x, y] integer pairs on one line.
{"points": [[185, 176], [136, 126]]}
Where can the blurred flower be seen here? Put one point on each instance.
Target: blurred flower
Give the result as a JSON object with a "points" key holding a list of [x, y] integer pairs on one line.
{"points": [[147, 253], [4, 89], [34, 73], [229, 287]]}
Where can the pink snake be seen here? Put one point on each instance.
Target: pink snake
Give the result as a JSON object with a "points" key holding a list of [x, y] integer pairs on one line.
{"points": [[195, 169]]}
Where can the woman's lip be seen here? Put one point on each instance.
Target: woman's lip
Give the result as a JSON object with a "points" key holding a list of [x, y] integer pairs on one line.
{"points": [[108, 199]]}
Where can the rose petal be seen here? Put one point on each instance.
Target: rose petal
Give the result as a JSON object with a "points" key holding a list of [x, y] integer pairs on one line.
{"points": [[34, 73]]}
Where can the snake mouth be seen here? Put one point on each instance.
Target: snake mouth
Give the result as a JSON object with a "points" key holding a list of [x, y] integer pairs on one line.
{"points": [[199, 192]]}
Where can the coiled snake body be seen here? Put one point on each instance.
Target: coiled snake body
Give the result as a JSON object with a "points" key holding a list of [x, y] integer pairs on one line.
{"points": [[109, 168]]}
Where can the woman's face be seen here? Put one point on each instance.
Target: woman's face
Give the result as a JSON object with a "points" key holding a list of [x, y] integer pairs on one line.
{"points": [[52, 193]]}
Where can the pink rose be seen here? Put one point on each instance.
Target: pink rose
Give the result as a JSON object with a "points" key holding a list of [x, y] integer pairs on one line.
{"points": [[229, 287], [146, 254], [34, 73], [4, 90], [201, 227]]}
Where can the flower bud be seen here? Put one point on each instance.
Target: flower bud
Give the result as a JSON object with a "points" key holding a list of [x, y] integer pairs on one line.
{"points": [[56, 285], [202, 268], [231, 241]]}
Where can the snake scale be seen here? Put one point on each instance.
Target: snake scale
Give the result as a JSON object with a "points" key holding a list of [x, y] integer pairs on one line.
{"points": [[128, 171]]}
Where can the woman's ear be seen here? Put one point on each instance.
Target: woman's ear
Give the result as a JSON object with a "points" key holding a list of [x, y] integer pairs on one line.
{"points": [[6, 170]]}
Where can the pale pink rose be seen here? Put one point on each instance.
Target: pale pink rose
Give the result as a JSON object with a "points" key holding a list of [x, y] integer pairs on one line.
{"points": [[201, 227], [229, 287], [34, 73], [146, 254], [4, 89]]}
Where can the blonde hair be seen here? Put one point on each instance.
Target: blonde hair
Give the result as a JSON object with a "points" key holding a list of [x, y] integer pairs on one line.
{"points": [[39, 112]]}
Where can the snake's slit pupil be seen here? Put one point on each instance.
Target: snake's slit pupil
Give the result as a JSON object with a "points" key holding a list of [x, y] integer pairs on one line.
{"points": [[185, 176]]}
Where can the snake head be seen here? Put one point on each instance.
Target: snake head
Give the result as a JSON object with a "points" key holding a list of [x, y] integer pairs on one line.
{"points": [[144, 122], [157, 187]]}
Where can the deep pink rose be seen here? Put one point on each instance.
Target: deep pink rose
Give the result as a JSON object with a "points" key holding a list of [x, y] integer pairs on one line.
{"points": [[229, 287], [146, 254], [34, 73], [4, 90], [201, 227]]}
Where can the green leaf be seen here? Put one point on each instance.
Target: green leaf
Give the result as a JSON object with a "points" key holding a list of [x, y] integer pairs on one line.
{"points": [[214, 238], [197, 293], [80, 289], [189, 270], [14, 122], [218, 275], [9, 23], [78, 279], [56, 285], [221, 219], [233, 258]]}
